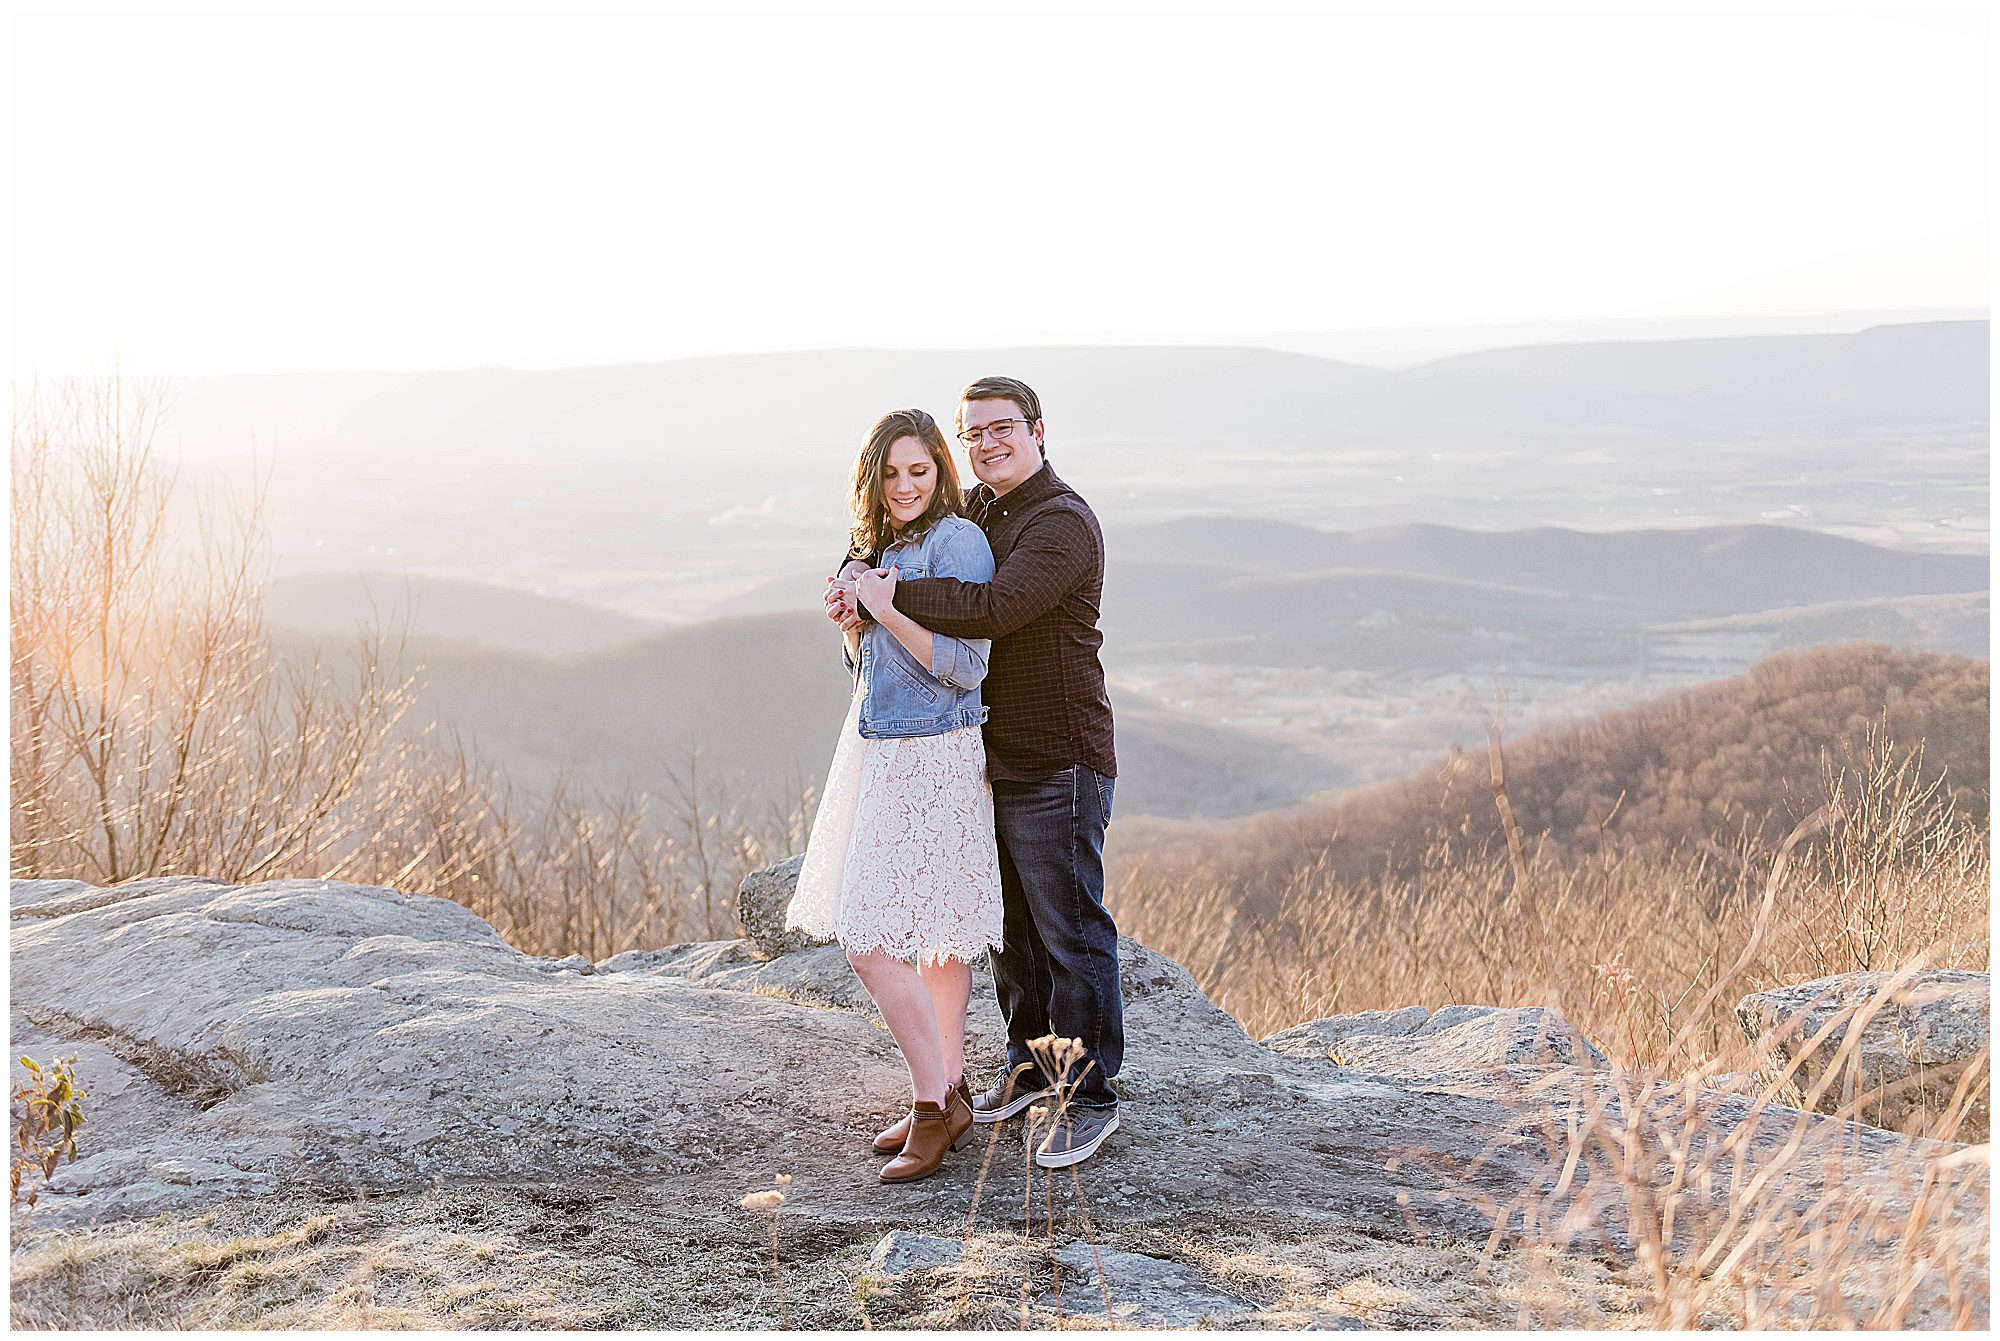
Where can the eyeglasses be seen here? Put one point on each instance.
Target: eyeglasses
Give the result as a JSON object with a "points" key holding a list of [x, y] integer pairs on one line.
{"points": [[1001, 429]]}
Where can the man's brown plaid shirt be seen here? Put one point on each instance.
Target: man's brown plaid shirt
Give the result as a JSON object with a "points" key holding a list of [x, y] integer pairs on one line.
{"points": [[1044, 683]]}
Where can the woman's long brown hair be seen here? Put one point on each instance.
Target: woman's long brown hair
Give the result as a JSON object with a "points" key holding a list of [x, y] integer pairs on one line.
{"points": [[873, 530]]}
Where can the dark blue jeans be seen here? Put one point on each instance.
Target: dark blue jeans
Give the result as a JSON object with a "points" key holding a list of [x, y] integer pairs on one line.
{"points": [[1057, 971]]}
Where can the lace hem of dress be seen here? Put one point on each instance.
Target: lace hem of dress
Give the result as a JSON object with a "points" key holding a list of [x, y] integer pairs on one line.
{"points": [[933, 952], [902, 947]]}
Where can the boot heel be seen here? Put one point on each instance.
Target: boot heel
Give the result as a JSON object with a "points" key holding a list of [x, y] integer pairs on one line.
{"points": [[963, 1138]]}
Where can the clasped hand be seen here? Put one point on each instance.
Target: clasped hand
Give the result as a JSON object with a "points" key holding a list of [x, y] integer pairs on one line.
{"points": [[874, 588]]}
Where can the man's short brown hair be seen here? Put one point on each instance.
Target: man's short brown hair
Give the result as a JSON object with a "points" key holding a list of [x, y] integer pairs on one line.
{"points": [[1000, 388]]}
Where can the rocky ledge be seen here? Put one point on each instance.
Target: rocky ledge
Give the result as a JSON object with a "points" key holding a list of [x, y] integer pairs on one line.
{"points": [[308, 1063], [1919, 1058]]}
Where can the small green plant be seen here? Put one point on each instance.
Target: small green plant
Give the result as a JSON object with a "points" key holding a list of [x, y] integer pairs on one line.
{"points": [[865, 1290], [44, 1103]]}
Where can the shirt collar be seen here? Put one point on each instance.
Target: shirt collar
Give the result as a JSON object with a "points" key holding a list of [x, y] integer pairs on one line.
{"points": [[1036, 487]]}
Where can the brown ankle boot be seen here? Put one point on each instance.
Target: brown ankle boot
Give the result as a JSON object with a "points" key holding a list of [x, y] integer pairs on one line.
{"points": [[891, 1139], [935, 1129]]}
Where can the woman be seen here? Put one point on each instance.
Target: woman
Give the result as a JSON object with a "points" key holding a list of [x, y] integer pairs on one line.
{"points": [[901, 866]]}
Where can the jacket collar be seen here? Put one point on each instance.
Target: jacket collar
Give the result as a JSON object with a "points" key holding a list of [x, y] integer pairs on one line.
{"points": [[915, 536]]}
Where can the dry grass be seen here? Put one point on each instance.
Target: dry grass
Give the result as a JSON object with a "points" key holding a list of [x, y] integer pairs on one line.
{"points": [[474, 1257], [1629, 947], [331, 1269]]}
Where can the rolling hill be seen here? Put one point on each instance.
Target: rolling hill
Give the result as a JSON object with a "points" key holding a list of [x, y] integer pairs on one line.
{"points": [[440, 607], [1255, 591], [1373, 664], [1910, 373], [763, 697], [1959, 624], [1705, 762]]}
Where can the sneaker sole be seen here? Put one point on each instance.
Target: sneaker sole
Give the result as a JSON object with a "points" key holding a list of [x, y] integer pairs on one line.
{"points": [[1019, 1103], [1077, 1154]]}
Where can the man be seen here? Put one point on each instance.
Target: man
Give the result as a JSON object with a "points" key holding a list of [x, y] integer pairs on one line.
{"points": [[1048, 755]]}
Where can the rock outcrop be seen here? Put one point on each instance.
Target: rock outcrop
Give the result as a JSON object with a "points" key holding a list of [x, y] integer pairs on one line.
{"points": [[319, 1040], [1454, 1041], [1921, 1056], [761, 901]]}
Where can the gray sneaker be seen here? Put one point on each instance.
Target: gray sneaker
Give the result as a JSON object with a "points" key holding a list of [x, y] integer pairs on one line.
{"points": [[997, 1104], [1076, 1137]]}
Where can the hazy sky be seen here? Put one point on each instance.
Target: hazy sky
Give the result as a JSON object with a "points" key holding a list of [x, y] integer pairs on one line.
{"points": [[268, 186]]}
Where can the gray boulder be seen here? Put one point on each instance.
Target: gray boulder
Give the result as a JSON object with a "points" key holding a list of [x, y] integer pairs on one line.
{"points": [[901, 1252], [1146, 1291], [761, 900], [1142, 1290], [1452, 1041], [1920, 1036]]}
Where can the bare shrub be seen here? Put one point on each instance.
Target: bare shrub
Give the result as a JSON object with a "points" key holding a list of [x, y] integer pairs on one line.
{"points": [[158, 730], [154, 732], [577, 870], [1895, 877]]}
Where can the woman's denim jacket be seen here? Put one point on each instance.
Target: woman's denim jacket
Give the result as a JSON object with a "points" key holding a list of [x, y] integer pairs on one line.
{"points": [[901, 696]]}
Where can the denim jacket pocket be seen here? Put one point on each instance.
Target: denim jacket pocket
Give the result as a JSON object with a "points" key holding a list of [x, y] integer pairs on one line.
{"points": [[916, 683]]}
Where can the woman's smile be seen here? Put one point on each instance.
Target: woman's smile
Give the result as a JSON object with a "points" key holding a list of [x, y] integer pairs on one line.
{"points": [[909, 480]]}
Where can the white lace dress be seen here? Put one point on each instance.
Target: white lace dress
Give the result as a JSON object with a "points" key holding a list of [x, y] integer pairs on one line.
{"points": [[901, 856]]}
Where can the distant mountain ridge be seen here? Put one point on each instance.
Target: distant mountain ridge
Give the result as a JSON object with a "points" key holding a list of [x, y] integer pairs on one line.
{"points": [[689, 487], [1709, 570], [1958, 622], [663, 487], [669, 408], [1934, 369], [1248, 569], [1916, 373]]}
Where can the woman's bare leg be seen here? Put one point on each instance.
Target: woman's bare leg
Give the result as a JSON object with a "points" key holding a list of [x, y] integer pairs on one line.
{"points": [[905, 1003], [950, 985]]}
